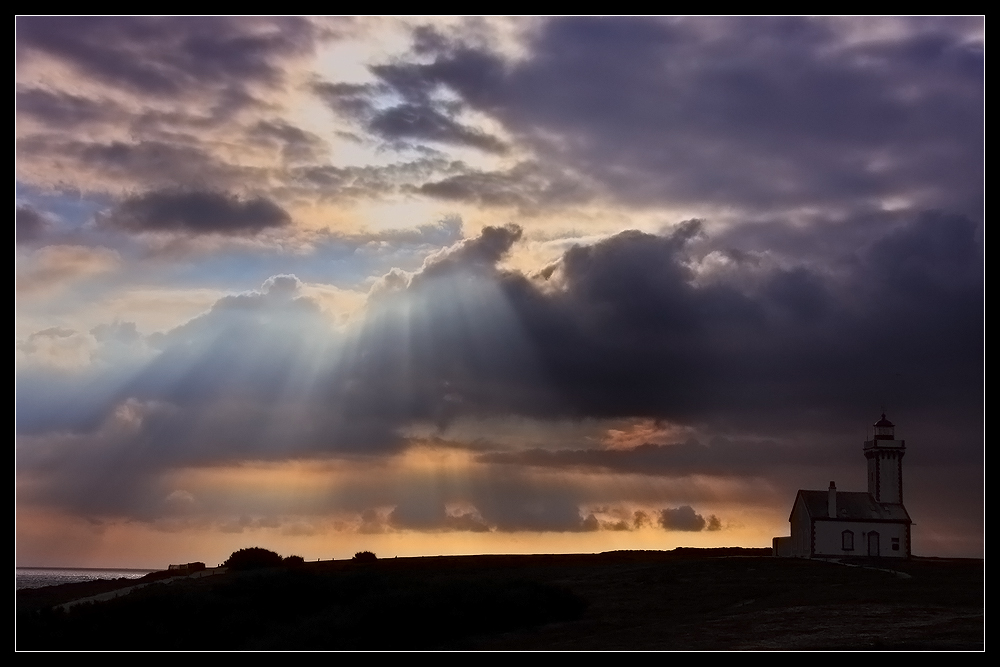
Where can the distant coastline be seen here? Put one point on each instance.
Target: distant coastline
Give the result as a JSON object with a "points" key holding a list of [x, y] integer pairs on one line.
{"points": [[92, 569], [38, 577]]}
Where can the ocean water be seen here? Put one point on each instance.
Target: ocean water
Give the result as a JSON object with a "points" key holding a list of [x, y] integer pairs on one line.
{"points": [[36, 577]]}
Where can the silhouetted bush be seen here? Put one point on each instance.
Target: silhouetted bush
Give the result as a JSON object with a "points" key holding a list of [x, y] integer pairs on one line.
{"points": [[252, 559], [292, 561], [365, 557]]}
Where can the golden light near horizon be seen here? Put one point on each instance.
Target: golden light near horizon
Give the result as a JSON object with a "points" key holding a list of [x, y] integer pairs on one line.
{"points": [[133, 544]]}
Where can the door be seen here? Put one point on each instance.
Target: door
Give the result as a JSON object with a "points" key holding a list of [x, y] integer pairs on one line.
{"points": [[873, 544]]}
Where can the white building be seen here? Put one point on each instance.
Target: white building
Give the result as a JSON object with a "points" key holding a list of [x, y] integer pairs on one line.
{"points": [[838, 524]]}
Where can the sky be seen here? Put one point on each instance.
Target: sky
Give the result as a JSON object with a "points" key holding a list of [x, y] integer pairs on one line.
{"points": [[443, 285]]}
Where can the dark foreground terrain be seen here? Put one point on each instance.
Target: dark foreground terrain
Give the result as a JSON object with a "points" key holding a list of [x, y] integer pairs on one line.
{"points": [[686, 599]]}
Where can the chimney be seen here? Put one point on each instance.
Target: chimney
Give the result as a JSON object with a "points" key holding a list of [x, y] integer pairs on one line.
{"points": [[831, 503]]}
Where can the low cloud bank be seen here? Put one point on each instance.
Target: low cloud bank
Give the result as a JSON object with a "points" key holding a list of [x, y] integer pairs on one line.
{"points": [[631, 326]]}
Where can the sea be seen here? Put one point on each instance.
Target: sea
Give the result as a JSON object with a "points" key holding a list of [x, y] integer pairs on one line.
{"points": [[36, 577]]}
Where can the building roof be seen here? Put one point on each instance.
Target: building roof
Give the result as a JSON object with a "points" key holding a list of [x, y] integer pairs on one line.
{"points": [[883, 421], [851, 506]]}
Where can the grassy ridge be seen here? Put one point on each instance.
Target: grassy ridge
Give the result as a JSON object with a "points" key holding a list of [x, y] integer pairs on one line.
{"points": [[685, 599], [301, 608]]}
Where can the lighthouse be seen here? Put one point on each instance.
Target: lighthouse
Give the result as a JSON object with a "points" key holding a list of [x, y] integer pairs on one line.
{"points": [[885, 463], [850, 524]]}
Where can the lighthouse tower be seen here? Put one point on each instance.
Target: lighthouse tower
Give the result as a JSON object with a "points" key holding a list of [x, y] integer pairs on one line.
{"points": [[885, 463]]}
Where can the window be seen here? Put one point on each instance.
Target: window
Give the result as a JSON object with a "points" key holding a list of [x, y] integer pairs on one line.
{"points": [[895, 544], [847, 540]]}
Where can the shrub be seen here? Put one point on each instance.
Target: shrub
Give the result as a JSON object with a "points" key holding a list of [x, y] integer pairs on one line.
{"points": [[292, 561], [252, 558], [365, 557]]}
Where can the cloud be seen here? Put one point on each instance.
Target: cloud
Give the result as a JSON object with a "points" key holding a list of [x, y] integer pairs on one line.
{"points": [[118, 332], [57, 347], [295, 144], [419, 118], [351, 99], [421, 513], [627, 327], [682, 518], [755, 113], [332, 183], [721, 457], [29, 225], [479, 255], [622, 328], [528, 186], [160, 102], [55, 267], [115, 166], [468, 257], [629, 324], [198, 212], [65, 110], [169, 56], [414, 121]]}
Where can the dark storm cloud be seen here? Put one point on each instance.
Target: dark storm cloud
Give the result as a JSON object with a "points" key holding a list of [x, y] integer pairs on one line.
{"points": [[750, 112], [170, 56], [196, 212], [422, 513], [509, 501], [721, 457], [802, 340], [621, 328], [29, 225], [181, 162], [682, 518], [426, 122], [625, 327], [64, 110], [418, 118], [523, 507], [501, 500], [165, 83]]}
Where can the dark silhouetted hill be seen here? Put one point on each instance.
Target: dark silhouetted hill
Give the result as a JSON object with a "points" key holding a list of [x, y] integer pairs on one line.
{"points": [[683, 600]]}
